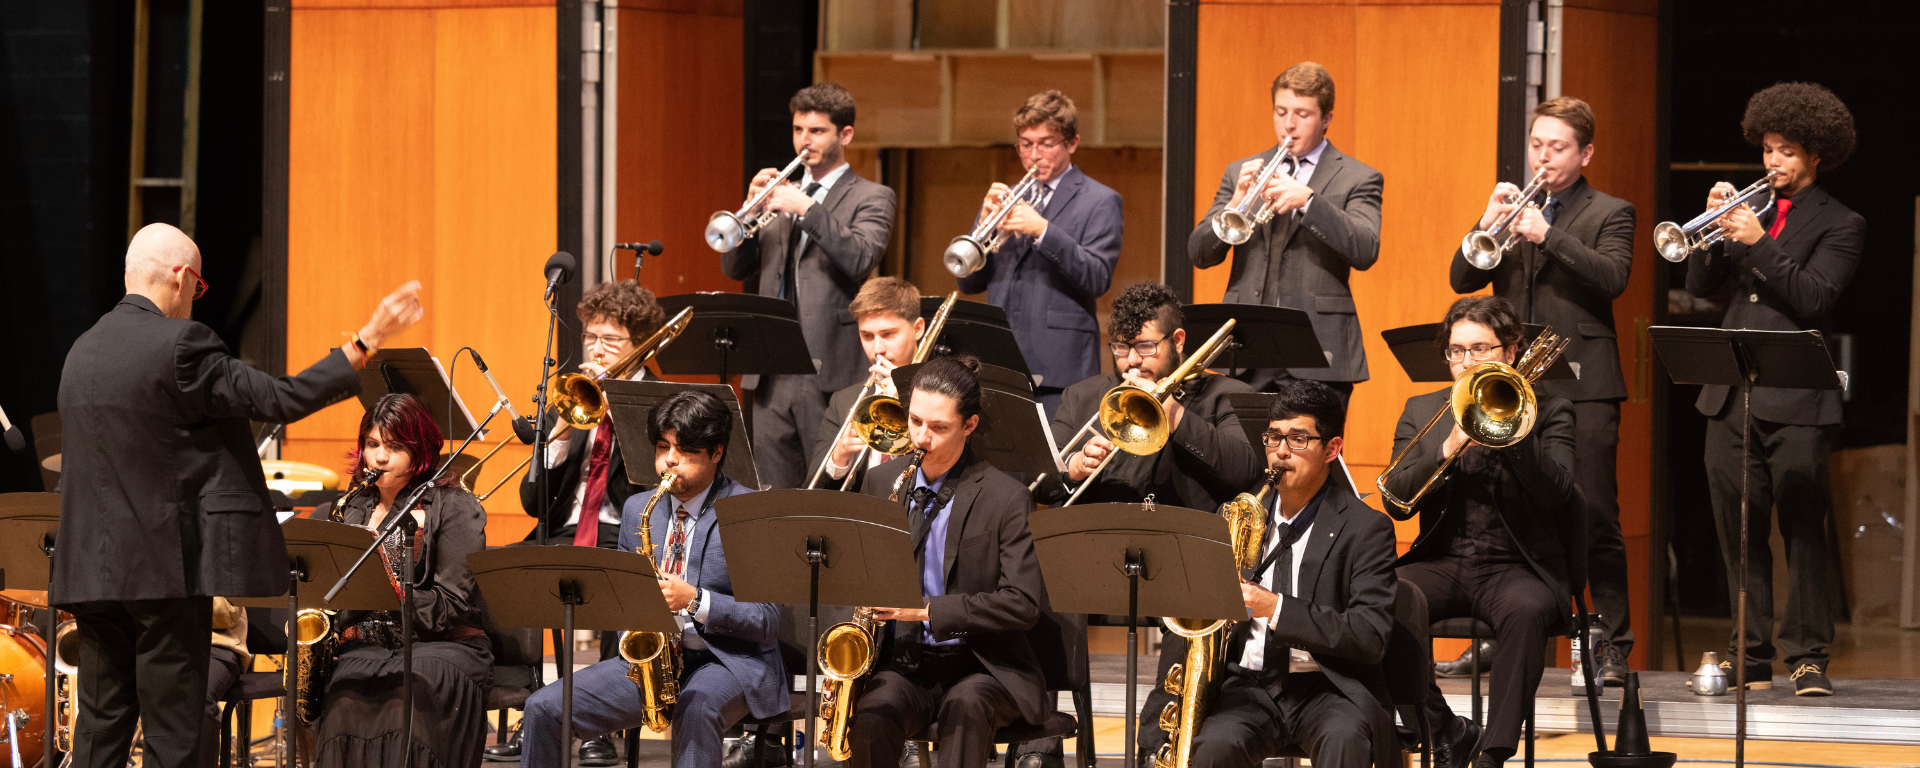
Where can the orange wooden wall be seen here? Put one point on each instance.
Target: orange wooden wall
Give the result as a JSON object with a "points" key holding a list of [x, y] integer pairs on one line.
{"points": [[422, 147]]}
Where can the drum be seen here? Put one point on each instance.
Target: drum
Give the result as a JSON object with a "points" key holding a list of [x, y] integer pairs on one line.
{"points": [[23, 683]]}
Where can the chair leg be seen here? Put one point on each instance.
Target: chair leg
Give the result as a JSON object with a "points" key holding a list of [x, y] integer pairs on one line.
{"points": [[500, 731], [633, 748], [1473, 645], [1426, 736], [1013, 748], [1530, 697], [926, 755], [246, 734]]}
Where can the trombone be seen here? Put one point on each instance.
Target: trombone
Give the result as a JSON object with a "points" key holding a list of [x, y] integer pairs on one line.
{"points": [[1483, 248], [1235, 225], [1132, 417], [967, 253], [1493, 403], [879, 418], [725, 231], [1676, 241], [581, 402]]}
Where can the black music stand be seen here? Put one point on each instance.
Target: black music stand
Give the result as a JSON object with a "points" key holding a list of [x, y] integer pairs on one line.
{"points": [[1413, 347], [412, 371], [1745, 359], [1013, 434], [28, 525], [735, 333], [1148, 560], [978, 329], [567, 588], [632, 404], [319, 551], [1263, 336], [801, 546]]}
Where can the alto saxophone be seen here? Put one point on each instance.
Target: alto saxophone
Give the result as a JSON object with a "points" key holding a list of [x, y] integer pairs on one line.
{"points": [[653, 658], [1190, 680]]}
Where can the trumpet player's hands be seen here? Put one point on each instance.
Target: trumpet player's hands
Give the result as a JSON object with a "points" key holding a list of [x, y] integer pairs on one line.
{"points": [[1081, 464], [1248, 170], [1532, 225], [1720, 194], [1498, 204], [788, 198], [1260, 603], [1742, 225], [677, 592], [1287, 194], [996, 194], [1024, 220], [901, 614]]}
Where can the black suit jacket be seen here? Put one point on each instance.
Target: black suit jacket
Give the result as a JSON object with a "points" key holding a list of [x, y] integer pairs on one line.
{"points": [[1207, 459], [564, 481], [847, 235], [1538, 501], [162, 494], [1569, 282], [994, 591], [1340, 232], [1789, 284]]}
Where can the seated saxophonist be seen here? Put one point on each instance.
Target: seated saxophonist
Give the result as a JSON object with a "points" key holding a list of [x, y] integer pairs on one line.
{"points": [[729, 655], [1305, 672], [961, 659], [362, 712]]}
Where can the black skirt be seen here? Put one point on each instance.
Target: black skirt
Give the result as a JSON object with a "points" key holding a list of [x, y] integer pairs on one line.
{"points": [[361, 722]]}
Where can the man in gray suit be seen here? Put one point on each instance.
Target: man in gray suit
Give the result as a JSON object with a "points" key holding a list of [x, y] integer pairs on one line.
{"points": [[1326, 222], [1063, 242], [831, 230], [1570, 261]]}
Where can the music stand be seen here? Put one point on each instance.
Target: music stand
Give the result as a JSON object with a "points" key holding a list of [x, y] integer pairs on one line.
{"points": [[801, 546], [567, 588], [632, 402], [1013, 434], [1263, 336], [1745, 359], [411, 371], [1413, 347], [978, 329], [735, 333], [1146, 559], [28, 525]]}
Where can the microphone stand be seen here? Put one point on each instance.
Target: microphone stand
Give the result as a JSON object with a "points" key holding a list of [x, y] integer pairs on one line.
{"points": [[540, 429]]}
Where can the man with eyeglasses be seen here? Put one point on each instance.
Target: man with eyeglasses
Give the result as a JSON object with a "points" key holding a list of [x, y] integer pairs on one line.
{"points": [[1063, 242], [1501, 533]]}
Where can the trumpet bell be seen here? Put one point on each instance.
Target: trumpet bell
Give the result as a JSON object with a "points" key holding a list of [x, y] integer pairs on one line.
{"points": [[881, 421], [1671, 241], [1134, 421], [964, 256], [725, 231], [1232, 227], [642, 647], [1493, 404], [581, 403], [1481, 250], [846, 651]]}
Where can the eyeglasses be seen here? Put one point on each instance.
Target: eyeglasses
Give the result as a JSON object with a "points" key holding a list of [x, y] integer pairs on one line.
{"points": [[1049, 144], [1296, 441], [589, 339], [1479, 352], [200, 291], [1142, 347]]}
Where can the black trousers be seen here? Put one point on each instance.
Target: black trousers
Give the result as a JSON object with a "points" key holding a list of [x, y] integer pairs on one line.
{"points": [[950, 689], [1513, 600], [1789, 473], [1245, 725], [140, 660], [223, 671], [787, 411], [1596, 435]]}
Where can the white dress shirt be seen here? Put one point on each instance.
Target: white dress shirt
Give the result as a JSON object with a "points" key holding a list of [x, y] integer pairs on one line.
{"points": [[689, 633], [1303, 170], [1254, 657]]}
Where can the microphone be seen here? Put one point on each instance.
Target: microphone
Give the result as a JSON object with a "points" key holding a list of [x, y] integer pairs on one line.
{"points": [[560, 268], [649, 248], [521, 428], [16, 442]]}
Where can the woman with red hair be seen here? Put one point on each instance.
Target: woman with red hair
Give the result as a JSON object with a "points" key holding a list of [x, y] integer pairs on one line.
{"points": [[362, 713]]}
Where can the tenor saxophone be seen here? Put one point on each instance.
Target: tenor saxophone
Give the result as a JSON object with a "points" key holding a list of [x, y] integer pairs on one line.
{"points": [[1190, 680], [313, 661], [653, 658]]}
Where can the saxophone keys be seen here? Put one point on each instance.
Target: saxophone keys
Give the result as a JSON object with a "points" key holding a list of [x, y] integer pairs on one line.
{"points": [[1170, 718], [1176, 679]]}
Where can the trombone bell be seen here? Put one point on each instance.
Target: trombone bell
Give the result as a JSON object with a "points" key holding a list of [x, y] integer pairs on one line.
{"points": [[1134, 420]]}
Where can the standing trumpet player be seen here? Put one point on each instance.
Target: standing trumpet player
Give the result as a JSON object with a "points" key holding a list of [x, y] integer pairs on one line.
{"points": [[1062, 242], [827, 233], [1325, 223], [1570, 258], [730, 658]]}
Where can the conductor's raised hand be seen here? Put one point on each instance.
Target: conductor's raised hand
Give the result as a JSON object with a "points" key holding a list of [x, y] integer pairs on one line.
{"points": [[397, 312]]}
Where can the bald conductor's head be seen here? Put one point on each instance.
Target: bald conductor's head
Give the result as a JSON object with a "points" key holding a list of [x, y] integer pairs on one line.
{"points": [[157, 262]]}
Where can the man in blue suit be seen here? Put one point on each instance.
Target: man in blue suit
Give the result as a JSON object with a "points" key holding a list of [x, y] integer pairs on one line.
{"points": [[729, 650], [1063, 241]]}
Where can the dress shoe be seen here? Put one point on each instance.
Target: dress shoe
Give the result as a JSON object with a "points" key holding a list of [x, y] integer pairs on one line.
{"points": [[740, 755], [1759, 676], [1040, 760], [1463, 666], [1453, 747], [598, 751], [1613, 668], [504, 753], [910, 757], [1811, 680]]}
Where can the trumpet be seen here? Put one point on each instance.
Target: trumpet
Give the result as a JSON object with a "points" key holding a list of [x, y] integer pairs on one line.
{"points": [[1133, 418], [653, 658], [725, 231], [846, 653], [1235, 224], [879, 418], [967, 253], [1676, 241], [1493, 403], [580, 400], [1190, 680], [1483, 248]]}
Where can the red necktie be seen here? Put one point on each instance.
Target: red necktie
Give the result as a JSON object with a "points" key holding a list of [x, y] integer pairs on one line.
{"points": [[1779, 219], [586, 532], [677, 543]]}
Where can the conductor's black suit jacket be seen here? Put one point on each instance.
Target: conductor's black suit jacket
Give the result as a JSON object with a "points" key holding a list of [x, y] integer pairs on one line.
{"points": [[162, 494]]}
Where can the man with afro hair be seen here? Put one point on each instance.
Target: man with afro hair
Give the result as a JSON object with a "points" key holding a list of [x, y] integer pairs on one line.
{"points": [[1789, 267]]}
